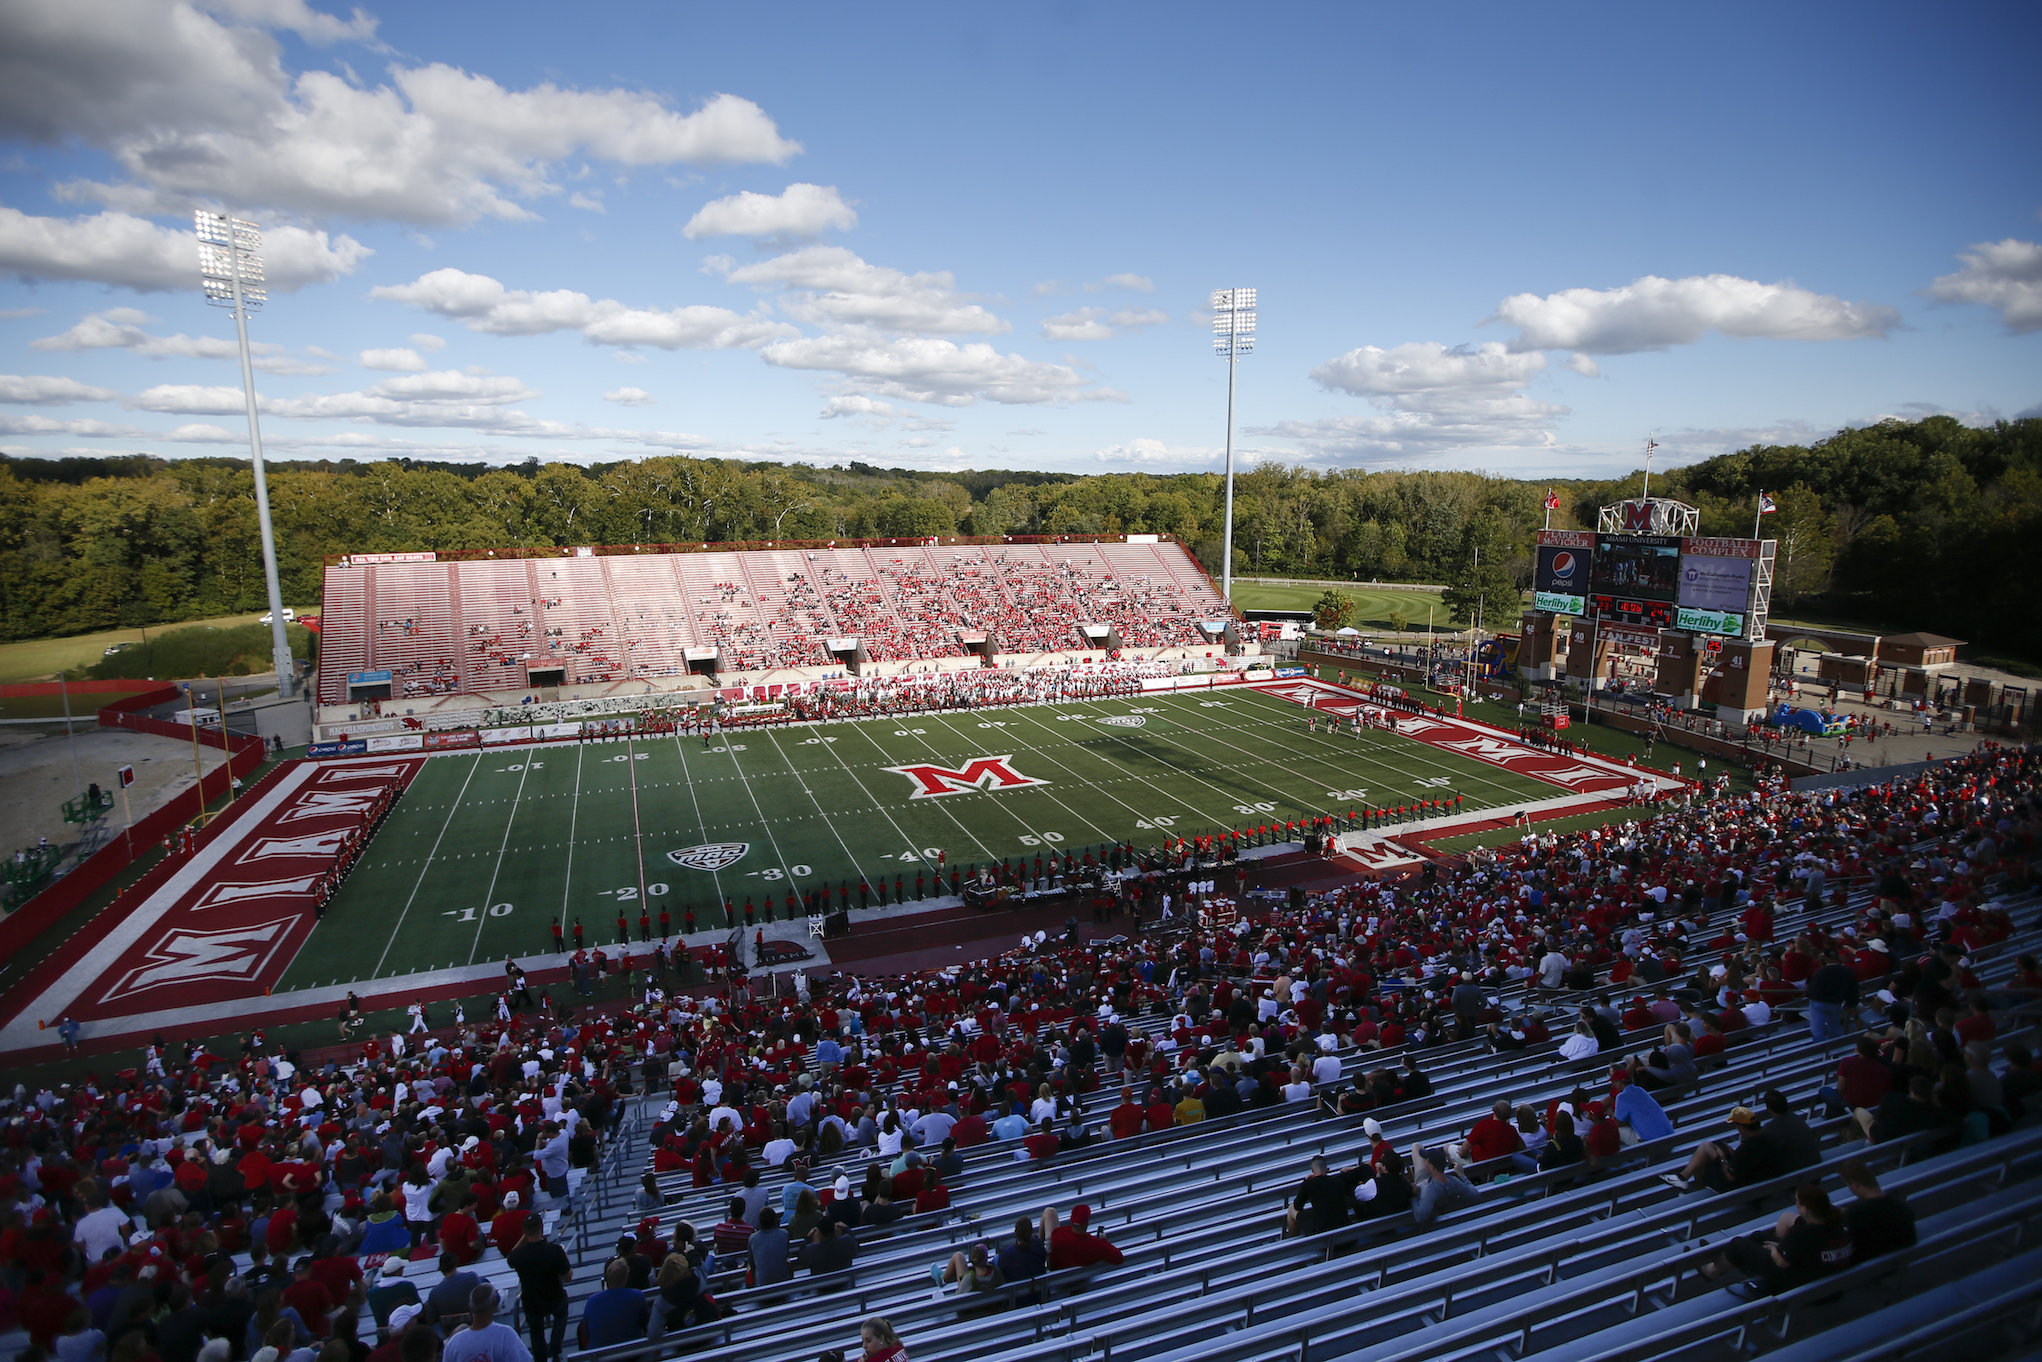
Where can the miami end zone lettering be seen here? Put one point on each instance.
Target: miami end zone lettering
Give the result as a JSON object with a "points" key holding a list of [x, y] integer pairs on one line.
{"points": [[980, 773]]}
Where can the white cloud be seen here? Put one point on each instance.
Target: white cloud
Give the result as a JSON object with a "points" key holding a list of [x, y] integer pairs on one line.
{"points": [[131, 252], [1430, 398], [1583, 365], [857, 405], [482, 304], [1095, 323], [189, 399], [120, 328], [400, 359], [443, 398], [1133, 282], [832, 286], [1428, 366], [49, 390], [588, 203], [296, 16], [2003, 275], [428, 342], [43, 425], [194, 107], [1048, 287], [629, 397], [205, 433], [800, 211], [1655, 314], [1082, 324], [924, 369], [1155, 453]]}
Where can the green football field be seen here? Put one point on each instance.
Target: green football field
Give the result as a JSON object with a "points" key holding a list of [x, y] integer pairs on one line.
{"points": [[485, 849]]}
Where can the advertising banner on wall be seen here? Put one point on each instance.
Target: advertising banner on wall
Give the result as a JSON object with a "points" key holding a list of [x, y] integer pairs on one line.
{"points": [[1562, 579], [1710, 621]]}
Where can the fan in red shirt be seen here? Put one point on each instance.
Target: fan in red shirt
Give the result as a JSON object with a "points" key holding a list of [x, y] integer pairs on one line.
{"points": [[1126, 1120], [1072, 1245]]}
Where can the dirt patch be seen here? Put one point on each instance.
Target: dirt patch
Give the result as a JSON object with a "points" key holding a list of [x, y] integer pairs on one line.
{"points": [[37, 776]]}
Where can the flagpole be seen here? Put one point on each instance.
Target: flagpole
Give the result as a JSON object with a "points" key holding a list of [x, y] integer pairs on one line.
{"points": [[1549, 509], [1758, 514]]}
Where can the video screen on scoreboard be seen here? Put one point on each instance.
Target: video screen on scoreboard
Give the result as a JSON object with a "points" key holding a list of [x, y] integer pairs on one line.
{"points": [[1637, 566], [1708, 583]]}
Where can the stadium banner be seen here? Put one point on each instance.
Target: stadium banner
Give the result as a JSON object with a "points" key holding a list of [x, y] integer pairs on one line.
{"points": [[367, 726], [546, 731], [1710, 621], [1568, 539], [1710, 582], [1636, 638], [402, 742], [1293, 671], [337, 749], [1555, 604], [389, 558], [492, 737], [1562, 576], [368, 678], [434, 742], [1717, 547]]}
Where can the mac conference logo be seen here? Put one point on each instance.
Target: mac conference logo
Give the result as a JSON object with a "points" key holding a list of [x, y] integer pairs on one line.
{"points": [[712, 856]]}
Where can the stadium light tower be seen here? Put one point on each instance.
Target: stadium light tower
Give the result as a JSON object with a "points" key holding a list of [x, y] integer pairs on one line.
{"points": [[1233, 335], [230, 266]]}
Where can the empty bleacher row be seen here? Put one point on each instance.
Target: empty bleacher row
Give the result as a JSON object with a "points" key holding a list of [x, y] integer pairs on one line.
{"points": [[497, 624], [1568, 1260]]}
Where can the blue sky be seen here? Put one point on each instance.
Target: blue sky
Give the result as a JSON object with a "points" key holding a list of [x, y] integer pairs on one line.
{"points": [[942, 236]]}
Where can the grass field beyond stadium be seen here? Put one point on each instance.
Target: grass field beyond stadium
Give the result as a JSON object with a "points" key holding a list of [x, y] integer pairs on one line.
{"points": [[485, 849]]}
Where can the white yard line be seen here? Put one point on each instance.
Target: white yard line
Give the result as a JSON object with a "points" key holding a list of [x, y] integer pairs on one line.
{"points": [[827, 821], [489, 895], [425, 869], [701, 824], [573, 819], [888, 756], [1177, 800], [1104, 836]]}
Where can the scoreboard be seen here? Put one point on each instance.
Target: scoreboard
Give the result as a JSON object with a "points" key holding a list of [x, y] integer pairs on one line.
{"points": [[1651, 581]]}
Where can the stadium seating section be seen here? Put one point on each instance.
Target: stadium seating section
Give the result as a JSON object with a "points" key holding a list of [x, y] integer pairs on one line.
{"points": [[482, 625]]}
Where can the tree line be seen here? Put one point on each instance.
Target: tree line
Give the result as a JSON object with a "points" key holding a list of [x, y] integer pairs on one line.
{"points": [[1914, 524]]}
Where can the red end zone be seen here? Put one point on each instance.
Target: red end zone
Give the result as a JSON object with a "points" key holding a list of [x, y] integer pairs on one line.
{"points": [[1577, 772], [228, 922]]}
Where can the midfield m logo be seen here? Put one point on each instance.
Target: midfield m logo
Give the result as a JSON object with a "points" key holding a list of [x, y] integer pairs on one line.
{"points": [[980, 773]]}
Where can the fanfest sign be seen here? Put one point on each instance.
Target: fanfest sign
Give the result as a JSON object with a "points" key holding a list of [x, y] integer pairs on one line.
{"points": [[1635, 638]]}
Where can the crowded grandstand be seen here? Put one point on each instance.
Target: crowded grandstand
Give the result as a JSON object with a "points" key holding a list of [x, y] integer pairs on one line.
{"points": [[1757, 1068]]}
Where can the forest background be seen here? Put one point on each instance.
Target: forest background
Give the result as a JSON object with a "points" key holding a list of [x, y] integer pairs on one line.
{"points": [[1929, 525]]}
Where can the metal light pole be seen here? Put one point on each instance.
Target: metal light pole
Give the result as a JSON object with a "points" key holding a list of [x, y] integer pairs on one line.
{"points": [[230, 267], [1233, 335]]}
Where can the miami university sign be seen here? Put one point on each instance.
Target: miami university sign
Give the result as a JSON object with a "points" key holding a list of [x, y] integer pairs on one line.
{"points": [[989, 774]]}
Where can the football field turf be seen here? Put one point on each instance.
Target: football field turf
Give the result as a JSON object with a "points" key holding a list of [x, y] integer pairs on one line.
{"points": [[484, 849]]}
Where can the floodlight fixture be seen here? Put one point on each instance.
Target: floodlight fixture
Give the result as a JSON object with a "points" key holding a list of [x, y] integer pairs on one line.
{"points": [[230, 268], [1233, 335]]}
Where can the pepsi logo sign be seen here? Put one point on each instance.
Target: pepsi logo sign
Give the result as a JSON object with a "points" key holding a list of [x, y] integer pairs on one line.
{"points": [[1563, 565]]}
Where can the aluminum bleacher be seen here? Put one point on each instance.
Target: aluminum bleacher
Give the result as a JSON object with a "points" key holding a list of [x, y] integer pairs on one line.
{"points": [[1573, 1260], [472, 624]]}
